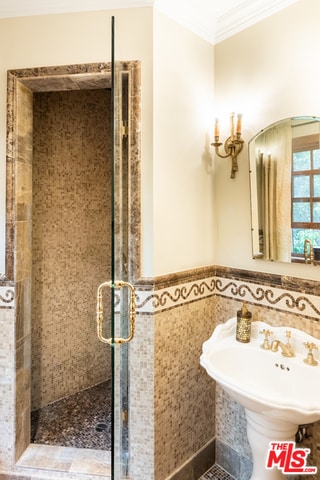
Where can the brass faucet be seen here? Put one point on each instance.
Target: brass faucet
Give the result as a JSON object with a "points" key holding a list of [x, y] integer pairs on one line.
{"points": [[308, 256], [310, 358], [286, 349], [266, 344]]}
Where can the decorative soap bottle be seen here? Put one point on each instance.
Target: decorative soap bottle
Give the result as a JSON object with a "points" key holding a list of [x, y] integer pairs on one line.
{"points": [[243, 333]]}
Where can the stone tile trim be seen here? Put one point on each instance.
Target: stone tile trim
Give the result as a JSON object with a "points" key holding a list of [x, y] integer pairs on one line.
{"points": [[272, 280]]}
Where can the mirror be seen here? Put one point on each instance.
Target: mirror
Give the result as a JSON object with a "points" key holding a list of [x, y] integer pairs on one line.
{"points": [[284, 163]]}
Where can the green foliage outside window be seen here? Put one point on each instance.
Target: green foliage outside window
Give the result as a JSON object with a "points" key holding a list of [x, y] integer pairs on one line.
{"points": [[305, 198], [299, 235]]}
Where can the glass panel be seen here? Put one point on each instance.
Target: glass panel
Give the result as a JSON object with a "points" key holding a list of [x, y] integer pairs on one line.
{"points": [[121, 326], [120, 454], [301, 186], [114, 416], [316, 159], [301, 161], [301, 212], [316, 212], [300, 234], [316, 185]]}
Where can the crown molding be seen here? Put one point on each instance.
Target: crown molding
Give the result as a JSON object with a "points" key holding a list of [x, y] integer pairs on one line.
{"points": [[25, 8], [205, 22], [246, 14]]}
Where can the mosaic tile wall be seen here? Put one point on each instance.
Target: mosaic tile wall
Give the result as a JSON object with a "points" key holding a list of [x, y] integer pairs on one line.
{"points": [[141, 386], [71, 240], [274, 299], [168, 387], [166, 395], [277, 300], [7, 371], [184, 396]]}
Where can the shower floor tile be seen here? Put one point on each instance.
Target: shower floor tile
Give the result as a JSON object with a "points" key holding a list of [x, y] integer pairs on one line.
{"points": [[82, 420], [216, 473]]}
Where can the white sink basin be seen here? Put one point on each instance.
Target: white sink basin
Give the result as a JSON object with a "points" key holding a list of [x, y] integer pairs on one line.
{"points": [[278, 393], [261, 380]]}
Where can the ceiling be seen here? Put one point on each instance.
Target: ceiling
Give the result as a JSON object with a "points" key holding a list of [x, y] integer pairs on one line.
{"points": [[213, 20]]}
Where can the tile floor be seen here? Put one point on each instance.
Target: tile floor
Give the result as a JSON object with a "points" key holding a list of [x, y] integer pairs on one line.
{"points": [[66, 439], [216, 473], [72, 435], [82, 420]]}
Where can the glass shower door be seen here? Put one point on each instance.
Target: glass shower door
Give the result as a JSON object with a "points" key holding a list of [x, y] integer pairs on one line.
{"points": [[124, 309], [116, 297]]}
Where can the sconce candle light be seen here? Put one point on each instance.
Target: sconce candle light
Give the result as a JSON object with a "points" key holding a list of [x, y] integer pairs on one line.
{"points": [[233, 144]]}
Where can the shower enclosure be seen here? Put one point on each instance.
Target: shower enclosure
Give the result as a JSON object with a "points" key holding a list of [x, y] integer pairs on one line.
{"points": [[72, 223], [71, 245]]}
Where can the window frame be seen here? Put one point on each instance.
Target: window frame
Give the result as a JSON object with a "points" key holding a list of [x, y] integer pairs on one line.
{"points": [[308, 143]]}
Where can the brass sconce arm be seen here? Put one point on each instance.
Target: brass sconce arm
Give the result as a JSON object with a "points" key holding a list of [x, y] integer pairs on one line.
{"points": [[233, 144], [232, 147]]}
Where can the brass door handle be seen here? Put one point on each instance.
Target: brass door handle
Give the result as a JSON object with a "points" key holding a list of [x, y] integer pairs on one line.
{"points": [[132, 312]]}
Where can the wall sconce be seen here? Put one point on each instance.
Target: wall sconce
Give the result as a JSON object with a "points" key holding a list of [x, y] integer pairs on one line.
{"points": [[233, 144]]}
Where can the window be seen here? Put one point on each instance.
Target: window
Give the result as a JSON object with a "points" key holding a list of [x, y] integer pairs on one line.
{"points": [[305, 188]]}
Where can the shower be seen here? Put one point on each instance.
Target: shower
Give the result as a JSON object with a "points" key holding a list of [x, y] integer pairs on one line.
{"points": [[71, 248], [64, 127]]}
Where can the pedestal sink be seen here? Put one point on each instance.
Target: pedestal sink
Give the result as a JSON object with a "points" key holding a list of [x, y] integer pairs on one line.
{"points": [[278, 393]]}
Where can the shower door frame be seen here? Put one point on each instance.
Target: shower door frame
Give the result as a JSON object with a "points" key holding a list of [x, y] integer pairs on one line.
{"points": [[21, 85]]}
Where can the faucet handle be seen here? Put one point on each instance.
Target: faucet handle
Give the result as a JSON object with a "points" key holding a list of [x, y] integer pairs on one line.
{"points": [[266, 333], [266, 345], [310, 359], [310, 346], [288, 335]]}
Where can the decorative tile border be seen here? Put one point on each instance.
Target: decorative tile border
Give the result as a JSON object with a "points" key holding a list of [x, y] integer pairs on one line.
{"points": [[173, 296], [281, 293], [153, 297], [288, 301], [6, 297]]}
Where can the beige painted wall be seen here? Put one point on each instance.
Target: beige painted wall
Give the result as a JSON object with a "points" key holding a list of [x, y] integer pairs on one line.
{"points": [[269, 72], [183, 181], [177, 99]]}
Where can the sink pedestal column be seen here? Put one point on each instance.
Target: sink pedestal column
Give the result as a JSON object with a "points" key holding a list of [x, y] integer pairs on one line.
{"points": [[262, 430]]}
